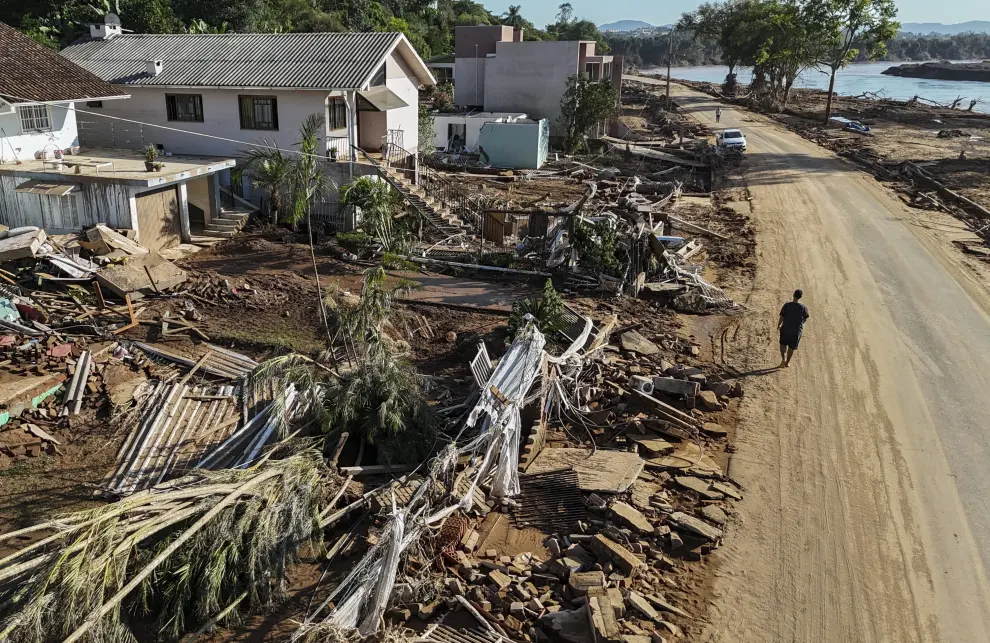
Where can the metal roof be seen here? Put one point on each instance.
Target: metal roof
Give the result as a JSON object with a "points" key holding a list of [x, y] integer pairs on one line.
{"points": [[283, 60]]}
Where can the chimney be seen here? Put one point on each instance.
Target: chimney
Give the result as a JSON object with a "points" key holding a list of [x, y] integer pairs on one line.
{"points": [[107, 29], [154, 67]]}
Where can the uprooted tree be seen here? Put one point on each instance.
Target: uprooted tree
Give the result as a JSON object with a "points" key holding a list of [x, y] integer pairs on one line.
{"points": [[585, 106], [378, 397], [191, 551]]}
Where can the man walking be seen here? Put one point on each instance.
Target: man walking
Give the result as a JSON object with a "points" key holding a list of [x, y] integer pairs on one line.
{"points": [[793, 314], [718, 114]]}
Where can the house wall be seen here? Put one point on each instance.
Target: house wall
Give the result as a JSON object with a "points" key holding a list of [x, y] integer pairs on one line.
{"points": [[472, 45], [472, 126], [530, 77], [27, 145], [516, 145], [400, 79], [221, 118], [102, 202]]}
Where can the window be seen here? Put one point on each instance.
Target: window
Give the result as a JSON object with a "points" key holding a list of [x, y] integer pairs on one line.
{"points": [[443, 74], [184, 107], [258, 112], [379, 79], [592, 70], [34, 118], [337, 110], [94, 103]]}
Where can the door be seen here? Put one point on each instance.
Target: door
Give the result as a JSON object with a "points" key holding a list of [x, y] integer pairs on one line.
{"points": [[456, 136], [158, 218]]}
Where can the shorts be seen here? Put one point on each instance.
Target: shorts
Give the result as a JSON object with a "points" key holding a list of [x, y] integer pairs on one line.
{"points": [[790, 339]]}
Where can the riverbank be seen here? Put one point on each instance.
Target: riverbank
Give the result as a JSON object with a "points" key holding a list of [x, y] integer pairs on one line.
{"points": [[854, 80], [979, 72]]}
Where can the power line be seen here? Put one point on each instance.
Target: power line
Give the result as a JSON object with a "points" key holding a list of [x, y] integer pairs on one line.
{"points": [[176, 129]]}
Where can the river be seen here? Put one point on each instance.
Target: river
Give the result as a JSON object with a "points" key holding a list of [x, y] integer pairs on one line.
{"points": [[856, 79]]}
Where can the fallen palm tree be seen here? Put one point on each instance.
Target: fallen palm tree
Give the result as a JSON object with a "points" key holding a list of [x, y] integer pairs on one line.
{"points": [[179, 554]]}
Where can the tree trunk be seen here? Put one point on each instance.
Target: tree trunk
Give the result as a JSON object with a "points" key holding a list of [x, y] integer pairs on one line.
{"points": [[828, 101]]}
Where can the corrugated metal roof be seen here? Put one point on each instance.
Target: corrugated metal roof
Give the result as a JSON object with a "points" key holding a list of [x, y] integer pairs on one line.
{"points": [[286, 60]]}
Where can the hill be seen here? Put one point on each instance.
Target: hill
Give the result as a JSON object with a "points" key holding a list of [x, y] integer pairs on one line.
{"points": [[625, 25], [979, 26]]}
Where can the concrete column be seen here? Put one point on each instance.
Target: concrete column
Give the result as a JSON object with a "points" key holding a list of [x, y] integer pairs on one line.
{"points": [[132, 206], [213, 191], [182, 194], [352, 134]]}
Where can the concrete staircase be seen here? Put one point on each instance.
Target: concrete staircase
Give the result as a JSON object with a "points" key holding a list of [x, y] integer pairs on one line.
{"points": [[232, 218], [444, 222], [228, 223]]}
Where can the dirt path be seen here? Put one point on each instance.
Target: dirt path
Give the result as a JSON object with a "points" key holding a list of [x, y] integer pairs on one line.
{"points": [[866, 462]]}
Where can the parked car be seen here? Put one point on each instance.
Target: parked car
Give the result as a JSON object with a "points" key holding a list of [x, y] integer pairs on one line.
{"points": [[731, 139]]}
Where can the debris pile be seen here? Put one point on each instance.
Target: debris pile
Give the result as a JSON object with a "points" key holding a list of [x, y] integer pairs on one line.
{"points": [[623, 512]]}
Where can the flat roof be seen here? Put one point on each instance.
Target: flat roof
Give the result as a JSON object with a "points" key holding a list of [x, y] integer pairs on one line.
{"points": [[118, 166]]}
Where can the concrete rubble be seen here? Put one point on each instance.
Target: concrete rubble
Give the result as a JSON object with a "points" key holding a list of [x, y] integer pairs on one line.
{"points": [[609, 572]]}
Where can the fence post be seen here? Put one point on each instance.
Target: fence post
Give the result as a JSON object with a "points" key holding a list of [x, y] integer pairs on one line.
{"points": [[416, 167]]}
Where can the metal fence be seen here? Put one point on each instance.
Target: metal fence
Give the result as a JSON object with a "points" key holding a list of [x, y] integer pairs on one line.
{"points": [[108, 133]]}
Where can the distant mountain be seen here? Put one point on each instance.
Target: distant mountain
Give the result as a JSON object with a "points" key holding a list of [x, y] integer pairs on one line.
{"points": [[625, 25], [937, 27]]}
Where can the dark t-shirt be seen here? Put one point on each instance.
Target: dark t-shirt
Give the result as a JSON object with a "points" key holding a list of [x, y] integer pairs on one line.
{"points": [[794, 316]]}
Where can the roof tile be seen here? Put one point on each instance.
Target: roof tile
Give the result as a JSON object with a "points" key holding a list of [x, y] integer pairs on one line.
{"points": [[30, 72]]}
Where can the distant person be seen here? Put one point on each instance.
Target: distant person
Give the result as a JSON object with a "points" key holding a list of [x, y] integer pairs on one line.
{"points": [[718, 114], [793, 314]]}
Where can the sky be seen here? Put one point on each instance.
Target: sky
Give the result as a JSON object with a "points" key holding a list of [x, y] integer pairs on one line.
{"points": [[663, 12]]}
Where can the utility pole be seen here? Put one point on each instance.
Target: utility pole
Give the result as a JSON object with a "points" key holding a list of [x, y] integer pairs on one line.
{"points": [[670, 56]]}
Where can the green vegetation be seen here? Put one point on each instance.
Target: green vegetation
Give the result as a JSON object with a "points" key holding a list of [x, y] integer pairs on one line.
{"points": [[376, 395], [378, 204], [171, 559], [598, 247], [547, 311], [292, 180], [586, 104], [391, 261], [780, 38], [430, 30], [357, 241]]}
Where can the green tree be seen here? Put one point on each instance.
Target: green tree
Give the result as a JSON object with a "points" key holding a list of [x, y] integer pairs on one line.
{"points": [[565, 13], [292, 179], [378, 204], [512, 17], [852, 29], [585, 105], [582, 30]]}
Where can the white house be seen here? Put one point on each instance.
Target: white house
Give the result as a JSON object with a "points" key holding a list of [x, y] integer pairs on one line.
{"points": [[48, 180], [219, 94]]}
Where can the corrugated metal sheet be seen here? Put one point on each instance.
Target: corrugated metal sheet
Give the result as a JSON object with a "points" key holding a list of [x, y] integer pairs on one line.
{"points": [[287, 60]]}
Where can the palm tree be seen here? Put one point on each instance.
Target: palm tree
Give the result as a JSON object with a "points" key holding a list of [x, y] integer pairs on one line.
{"points": [[292, 179], [512, 17], [272, 170], [377, 204]]}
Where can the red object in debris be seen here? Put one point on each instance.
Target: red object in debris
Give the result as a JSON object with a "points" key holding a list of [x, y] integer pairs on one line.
{"points": [[27, 312], [60, 350], [7, 340]]}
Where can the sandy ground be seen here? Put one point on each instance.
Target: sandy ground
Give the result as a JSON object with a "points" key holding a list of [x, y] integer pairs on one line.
{"points": [[864, 463]]}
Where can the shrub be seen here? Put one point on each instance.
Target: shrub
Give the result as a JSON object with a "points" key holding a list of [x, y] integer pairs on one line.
{"points": [[356, 242], [547, 310]]}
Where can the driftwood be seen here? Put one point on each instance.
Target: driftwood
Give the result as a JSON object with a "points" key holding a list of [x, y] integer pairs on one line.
{"points": [[914, 171]]}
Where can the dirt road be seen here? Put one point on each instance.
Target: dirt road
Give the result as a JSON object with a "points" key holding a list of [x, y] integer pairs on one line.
{"points": [[867, 463]]}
